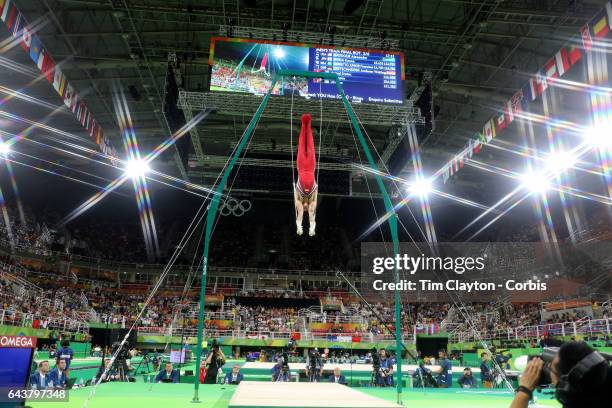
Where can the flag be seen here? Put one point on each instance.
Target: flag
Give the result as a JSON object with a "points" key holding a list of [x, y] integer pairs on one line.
{"points": [[516, 103], [508, 111], [587, 41], [35, 49], [600, 26], [533, 89], [47, 65], [562, 61], [608, 12], [550, 68], [26, 38], [445, 175], [92, 127], [489, 130], [501, 121], [5, 9], [477, 146], [59, 81], [574, 55], [469, 149], [18, 24], [541, 84], [10, 20]]}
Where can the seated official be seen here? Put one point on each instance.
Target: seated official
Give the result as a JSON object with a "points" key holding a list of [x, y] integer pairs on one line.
{"points": [[234, 377], [168, 374], [337, 377], [467, 380], [40, 379], [65, 353], [106, 373], [57, 377]]}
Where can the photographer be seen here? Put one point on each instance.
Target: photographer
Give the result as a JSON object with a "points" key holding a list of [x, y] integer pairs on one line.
{"points": [[467, 380], [214, 362], [581, 376], [106, 372], [486, 376], [384, 373], [422, 377], [445, 374], [314, 366]]}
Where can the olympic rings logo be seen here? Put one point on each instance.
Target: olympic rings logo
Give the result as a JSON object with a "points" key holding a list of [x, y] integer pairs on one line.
{"points": [[231, 206]]}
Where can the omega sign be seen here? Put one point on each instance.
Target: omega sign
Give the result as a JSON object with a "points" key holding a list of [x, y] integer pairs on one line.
{"points": [[17, 342]]}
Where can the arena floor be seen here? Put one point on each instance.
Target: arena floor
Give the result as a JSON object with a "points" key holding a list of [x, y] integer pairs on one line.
{"points": [[124, 395]]}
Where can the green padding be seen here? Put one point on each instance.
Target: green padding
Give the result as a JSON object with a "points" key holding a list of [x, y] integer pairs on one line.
{"points": [[130, 395]]}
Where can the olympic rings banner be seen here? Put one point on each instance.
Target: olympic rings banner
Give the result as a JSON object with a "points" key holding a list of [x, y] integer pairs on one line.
{"points": [[597, 28], [23, 32], [231, 206]]}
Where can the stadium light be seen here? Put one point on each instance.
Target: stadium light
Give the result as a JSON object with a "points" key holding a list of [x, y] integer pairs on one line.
{"points": [[4, 149], [599, 136], [420, 187], [535, 182], [560, 161], [136, 168], [279, 53]]}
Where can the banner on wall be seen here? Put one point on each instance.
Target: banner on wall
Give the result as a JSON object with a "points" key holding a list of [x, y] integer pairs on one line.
{"points": [[23, 32], [558, 65]]}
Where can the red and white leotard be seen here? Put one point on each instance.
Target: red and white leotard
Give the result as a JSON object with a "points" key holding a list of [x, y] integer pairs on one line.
{"points": [[306, 160]]}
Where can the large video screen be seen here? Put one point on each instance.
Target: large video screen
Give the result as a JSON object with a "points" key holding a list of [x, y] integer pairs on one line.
{"points": [[369, 76]]}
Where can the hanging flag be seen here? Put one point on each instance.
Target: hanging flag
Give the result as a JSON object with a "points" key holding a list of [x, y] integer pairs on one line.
{"points": [[501, 121], [11, 17], [489, 130], [26, 38], [47, 66], [587, 41], [18, 24], [600, 26], [609, 14], [574, 55], [533, 89], [35, 49], [541, 84], [5, 9], [59, 81], [509, 112], [550, 68], [562, 61], [477, 146]]}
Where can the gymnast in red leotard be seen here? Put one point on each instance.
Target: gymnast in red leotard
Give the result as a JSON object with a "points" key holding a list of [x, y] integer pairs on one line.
{"points": [[305, 190]]}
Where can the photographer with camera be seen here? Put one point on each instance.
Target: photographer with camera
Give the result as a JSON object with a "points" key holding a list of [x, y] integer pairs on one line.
{"points": [[422, 377], [314, 366], [581, 376], [214, 361], [382, 367]]}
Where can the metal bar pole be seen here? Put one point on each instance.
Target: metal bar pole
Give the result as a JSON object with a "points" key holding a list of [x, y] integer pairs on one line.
{"points": [[392, 220], [210, 217]]}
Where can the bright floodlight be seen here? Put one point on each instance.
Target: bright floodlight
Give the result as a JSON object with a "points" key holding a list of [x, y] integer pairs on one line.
{"points": [[421, 187], [4, 149], [599, 136], [136, 168], [279, 53], [536, 182], [560, 161]]}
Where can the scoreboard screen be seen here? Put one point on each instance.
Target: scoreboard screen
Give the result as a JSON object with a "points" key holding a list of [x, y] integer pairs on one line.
{"points": [[369, 76]]}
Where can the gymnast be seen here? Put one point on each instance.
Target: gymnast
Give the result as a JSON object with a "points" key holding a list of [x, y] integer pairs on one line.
{"points": [[305, 190]]}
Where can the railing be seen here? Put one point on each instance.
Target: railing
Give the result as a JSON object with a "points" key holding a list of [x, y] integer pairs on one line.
{"points": [[583, 327], [244, 334], [14, 318]]}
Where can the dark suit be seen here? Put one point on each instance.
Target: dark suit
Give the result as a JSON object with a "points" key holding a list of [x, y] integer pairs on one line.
{"points": [[39, 383], [59, 379], [341, 379], [229, 378], [162, 375]]}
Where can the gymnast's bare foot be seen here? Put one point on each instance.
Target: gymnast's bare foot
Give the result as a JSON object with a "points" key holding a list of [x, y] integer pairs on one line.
{"points": [[300, 230], [311, 231]]}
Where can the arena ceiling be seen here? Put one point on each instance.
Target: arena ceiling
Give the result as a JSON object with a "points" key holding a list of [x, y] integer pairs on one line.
{"points": [[479, 52]]}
